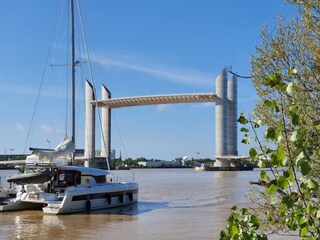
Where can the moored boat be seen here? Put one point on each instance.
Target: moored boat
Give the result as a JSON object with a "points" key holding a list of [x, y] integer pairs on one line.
{"points": [[77, 189], [62, 189]]}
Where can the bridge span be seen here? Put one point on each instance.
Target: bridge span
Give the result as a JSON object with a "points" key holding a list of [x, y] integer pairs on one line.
{"points": [[156, 99], [225, 99]]}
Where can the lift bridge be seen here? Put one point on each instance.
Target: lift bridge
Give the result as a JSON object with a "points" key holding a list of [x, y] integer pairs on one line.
{"points": [[225, 99]]}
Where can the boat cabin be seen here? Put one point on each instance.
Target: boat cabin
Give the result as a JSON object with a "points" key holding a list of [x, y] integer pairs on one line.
{"points": [[65, 176]]}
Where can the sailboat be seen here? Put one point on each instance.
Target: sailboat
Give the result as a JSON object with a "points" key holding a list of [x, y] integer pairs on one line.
{"points": [[59, 188]]}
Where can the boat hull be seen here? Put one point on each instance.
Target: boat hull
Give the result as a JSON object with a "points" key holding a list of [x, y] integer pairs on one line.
{"points": [[201, 169], [85, 199], [17, 204]]}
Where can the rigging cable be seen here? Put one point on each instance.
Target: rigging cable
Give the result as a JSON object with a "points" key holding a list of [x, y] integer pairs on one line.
{"points": [[31, 125], [91, 76], [114, 118], [36, 102], [235, 74], [124, 147]]}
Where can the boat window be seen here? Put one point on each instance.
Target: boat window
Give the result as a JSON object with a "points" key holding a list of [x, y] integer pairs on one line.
{"points": [[70, 177], [100, 179]]}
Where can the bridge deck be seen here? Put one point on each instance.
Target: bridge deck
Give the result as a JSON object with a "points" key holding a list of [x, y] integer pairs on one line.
{"points": [[156, 99]]}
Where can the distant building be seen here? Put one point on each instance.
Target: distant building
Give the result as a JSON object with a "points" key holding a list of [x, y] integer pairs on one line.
{"points": [[158, 164], [113, 154]]}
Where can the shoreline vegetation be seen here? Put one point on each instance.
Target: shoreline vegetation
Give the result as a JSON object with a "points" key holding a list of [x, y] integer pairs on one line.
{"points": [[128, 163]]}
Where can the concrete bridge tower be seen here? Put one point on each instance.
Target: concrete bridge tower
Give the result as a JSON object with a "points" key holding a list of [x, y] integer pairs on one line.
{"points": [[106, 126], [232, 145], [226, 118], [89, 151], [221, 115]]}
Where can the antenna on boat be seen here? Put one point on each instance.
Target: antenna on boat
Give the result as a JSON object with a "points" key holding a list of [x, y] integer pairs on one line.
{"points": [[72, 77]]}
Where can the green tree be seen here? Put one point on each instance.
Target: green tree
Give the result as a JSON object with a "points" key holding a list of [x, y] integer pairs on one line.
{"points": [[286, 74], [293, 47]]}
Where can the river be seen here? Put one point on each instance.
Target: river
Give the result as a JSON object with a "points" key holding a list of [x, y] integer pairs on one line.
{"points": [[173, 204]]}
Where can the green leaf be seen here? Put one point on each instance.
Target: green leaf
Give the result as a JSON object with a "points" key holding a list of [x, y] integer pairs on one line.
{"points": [[293, 137], [281, 156], [246, 139], [282, 86], [268, 103], [275, 162], [273, 200], [292, 71], [234, 208], [270, 133], [301, 220], [242, 120], [304, 231], [261, 163], [294, 112], [272, 189], [271, 104], [290, 88], [288, 201], [293, 109], [282, 182], [275, 106], [234, 230], [255, 220], [244, 211], [305, 168], [282, 208], [295, 119], [300, 158], [244, 129], [289, 176], [273, 80], [310, 209], [263, 175], [304, 186], [312, 184], [253, 154]]}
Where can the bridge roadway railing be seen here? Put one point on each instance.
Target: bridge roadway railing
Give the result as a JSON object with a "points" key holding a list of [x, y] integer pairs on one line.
{"points": [[156, 99]]}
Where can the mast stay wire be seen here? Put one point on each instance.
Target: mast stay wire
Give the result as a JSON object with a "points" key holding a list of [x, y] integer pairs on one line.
{"points": [[32, 121], [113, 115], [124, 147], [91, 75]]}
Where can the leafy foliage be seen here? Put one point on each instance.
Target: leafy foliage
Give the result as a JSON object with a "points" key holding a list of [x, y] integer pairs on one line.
{"points": [[286, 74]]}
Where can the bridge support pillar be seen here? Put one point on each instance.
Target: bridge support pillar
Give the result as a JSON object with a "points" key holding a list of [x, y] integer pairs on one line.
{"points": [[232, 116], [221, 117], [89, 152], [226, 118], [106, 126]]}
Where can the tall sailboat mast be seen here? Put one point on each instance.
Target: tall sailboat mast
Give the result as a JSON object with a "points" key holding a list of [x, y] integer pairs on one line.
{"points": [[72, 77]]}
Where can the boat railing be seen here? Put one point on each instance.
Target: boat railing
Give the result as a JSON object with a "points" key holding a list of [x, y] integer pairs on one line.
{"points": [[3, 192], [119, 179], [34, 188]]}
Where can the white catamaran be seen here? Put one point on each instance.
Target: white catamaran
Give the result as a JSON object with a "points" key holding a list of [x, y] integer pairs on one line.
{"points": [[51, 184]]}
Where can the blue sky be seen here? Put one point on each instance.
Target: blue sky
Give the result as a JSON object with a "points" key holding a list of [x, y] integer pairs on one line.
{"points": [[138, 48]]}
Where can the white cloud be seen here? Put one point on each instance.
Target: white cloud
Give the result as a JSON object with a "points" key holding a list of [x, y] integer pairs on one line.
{"points": [[20, 128], [164, 108], [174, 74], [49, 130], [204, 105]]}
